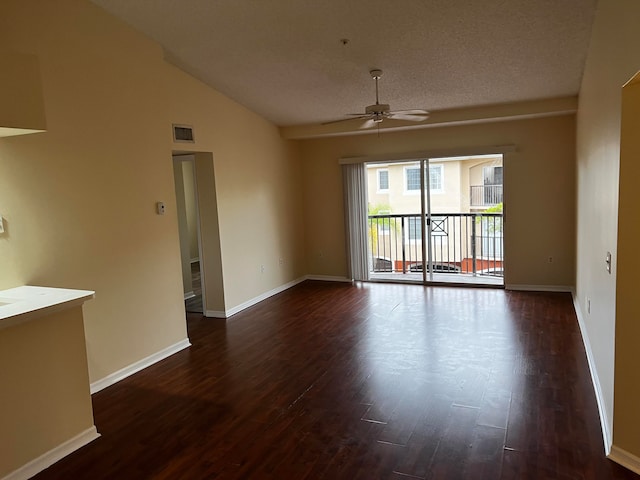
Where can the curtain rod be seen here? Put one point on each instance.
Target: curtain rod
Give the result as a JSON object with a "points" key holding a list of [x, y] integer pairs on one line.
{"points": [[436, 153]]}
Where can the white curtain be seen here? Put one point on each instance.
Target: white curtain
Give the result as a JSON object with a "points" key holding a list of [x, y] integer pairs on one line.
{"points": [[355, 205]]}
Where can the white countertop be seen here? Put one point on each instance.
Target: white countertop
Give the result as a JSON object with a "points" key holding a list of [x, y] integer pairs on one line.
{"points": [[24, 303]]}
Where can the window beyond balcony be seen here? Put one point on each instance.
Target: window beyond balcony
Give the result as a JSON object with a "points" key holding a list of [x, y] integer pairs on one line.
{"points": [[383, 181], [412, 179]]}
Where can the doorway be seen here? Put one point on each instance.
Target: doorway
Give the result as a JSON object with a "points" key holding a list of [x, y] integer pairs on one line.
{"points": [[189, 232], [436, 220]]}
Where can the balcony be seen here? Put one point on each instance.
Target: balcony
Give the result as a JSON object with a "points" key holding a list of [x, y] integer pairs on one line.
{"points": [[464, 247], [485, 195]]}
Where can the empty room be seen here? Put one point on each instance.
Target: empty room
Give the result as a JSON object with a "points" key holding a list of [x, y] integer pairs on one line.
{"points": [[338, 240]]}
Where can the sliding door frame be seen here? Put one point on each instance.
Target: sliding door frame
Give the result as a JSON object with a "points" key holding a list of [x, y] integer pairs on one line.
{"points": [[424, 158]]}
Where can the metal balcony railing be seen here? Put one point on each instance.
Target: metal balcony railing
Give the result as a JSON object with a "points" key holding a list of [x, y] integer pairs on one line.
{"points": [[485, 195], [462, 243]]}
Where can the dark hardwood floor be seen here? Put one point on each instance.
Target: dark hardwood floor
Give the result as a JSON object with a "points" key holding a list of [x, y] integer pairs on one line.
{"points": [[374, 381]]}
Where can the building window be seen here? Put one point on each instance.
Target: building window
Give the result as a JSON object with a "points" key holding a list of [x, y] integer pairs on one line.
{"points": [[412, 179], [492, 185], [383, 181], [492, 175], [436, 179]]}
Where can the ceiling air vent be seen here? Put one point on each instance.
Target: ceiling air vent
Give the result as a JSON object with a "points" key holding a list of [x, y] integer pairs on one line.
{"points": [[183, 133]]}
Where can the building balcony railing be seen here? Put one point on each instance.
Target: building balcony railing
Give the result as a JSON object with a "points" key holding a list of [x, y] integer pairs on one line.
{"points": [[485, 195], [461, 243]]}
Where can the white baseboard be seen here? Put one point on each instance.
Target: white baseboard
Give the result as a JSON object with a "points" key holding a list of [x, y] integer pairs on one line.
{"points": [[595, 380], [271, 293], [47, 459], [189, 295], [139, 365], [625, 459], [264, 296], [538, 288], [328, 278]]}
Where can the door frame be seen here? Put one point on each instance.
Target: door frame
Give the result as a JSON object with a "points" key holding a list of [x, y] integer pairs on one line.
{"points": [[424, 158], [190, 157]]}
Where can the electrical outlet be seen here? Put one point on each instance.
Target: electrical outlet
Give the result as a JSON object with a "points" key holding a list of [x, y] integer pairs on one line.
{"points": [[550, 259], [607, 261], [261, 268], [281, 261]]}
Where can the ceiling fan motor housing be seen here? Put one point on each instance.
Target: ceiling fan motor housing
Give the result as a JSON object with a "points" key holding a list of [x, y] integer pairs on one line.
{"points": [[377, 109]]}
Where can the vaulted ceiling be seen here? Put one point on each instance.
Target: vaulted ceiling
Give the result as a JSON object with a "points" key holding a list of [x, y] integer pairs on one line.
{"points": [[287, 59]]}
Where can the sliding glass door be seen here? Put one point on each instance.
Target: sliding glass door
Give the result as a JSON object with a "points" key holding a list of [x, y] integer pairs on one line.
{"points": [[436, 220]]}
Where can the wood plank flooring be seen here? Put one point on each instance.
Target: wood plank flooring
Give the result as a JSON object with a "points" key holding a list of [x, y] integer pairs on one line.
{"points": [[372, 381]]}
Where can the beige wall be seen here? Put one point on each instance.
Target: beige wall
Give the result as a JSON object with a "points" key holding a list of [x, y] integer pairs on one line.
{"points": [[184, 178], [188, 175], [79, 200], [613, 59], [211, 266], [258, 189], [539, 192], [20, 94], [183, 228], [40, 409]]}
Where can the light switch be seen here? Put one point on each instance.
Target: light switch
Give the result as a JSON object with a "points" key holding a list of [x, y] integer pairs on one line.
{"points": [[160, 208], [608, 262]]}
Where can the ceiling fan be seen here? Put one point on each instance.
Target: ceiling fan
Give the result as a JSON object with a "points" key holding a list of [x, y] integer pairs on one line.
{"points": [[374, 114]]}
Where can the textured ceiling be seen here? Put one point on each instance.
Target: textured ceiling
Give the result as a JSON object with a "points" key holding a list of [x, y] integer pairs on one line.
{"points": [[284, 59]]}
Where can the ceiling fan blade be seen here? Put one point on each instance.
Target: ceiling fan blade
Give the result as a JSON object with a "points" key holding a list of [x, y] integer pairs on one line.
{"points": [[410, 118], [359, 116], [410, 112], [368, 124]]}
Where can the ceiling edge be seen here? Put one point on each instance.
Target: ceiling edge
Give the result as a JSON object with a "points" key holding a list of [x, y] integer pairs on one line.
{"points": [[460, 116]]}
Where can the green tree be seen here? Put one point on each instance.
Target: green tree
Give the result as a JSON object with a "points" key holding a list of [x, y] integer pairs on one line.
{"points": [[495, 209], [492, 225]]}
